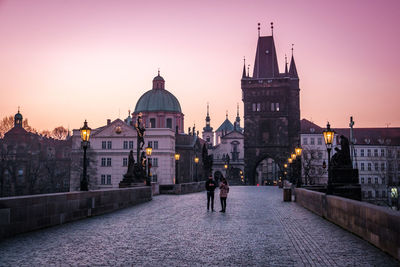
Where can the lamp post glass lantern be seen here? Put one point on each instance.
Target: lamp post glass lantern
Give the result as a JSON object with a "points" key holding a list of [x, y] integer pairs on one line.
{"points": [[196, 160], [328, 138], [177, 157], [85, 135], [149, 150]]}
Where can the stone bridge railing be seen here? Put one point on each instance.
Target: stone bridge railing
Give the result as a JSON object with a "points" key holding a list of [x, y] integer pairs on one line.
{"points": [[27, 213], [184, 188], [378, 225]]}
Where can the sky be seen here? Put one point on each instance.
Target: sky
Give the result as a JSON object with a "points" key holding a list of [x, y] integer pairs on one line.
{"points": [[64, 61]]}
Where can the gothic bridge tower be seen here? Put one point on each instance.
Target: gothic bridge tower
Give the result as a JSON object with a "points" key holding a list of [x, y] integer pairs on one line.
{"points": [[271, 110]]}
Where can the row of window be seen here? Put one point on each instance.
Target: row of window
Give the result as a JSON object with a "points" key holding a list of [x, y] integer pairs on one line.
{"points": [[377, 194], [154, 125], [312, 141], [273, 107], [370, 180], [127, 144], [369, 166], [106, 162]]}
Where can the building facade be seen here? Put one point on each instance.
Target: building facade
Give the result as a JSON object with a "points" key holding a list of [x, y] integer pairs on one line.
{"points": [[271, 109], [109, 150], [33, 164], [376, 155]]}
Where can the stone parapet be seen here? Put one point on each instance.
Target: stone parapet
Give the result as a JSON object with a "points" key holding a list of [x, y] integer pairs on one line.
{"points": [[184, 188], [377, 225], [28, 213]]}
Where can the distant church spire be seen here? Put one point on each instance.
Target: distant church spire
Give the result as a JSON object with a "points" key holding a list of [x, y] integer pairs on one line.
{"points": [[208, 127], [237, 116], [292, 68]]}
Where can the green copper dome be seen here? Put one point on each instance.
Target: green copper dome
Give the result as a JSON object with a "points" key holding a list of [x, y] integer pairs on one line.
{"points": [[158, 100]]}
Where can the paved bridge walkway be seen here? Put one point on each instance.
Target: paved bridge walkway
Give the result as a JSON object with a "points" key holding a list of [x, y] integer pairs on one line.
{"points": [[257, 230]]}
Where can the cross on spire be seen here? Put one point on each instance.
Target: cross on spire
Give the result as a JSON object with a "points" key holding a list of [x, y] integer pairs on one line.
{"points": [[259, 29], [272, 28]]}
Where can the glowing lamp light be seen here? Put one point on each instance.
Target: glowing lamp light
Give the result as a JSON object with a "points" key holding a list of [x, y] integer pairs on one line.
{"points": [[285, 165], [290, 160], [293, 156], [196, 160], [177, 156], [149, 149], [328, 135], [226, 166], [298, 151], [85, 132]]}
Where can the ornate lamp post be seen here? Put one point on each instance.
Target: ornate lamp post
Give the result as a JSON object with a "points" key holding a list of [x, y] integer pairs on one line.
{"points": [[85, 134], [328, 137], [149, 149], [290, 161], [298, 151], [196, 160], [177, 157]]}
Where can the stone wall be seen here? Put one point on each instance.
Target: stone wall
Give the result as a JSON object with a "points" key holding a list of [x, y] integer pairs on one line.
{"points": [[184, 188], [27, 213], [378, 225]]}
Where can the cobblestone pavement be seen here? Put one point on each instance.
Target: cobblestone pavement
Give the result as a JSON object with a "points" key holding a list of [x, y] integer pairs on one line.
{"points": [[257, 230]]}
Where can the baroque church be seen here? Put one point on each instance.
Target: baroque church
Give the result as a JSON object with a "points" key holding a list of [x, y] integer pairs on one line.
{"points": [[227, 150]]}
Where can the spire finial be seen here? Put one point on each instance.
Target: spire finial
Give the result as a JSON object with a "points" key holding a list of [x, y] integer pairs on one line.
{"points": [[292, 49], [244, 60], [227, 114], [259, 29], [237, 105], [208, 109], [18, 109], [248, 70], [286, 63], [158, 71], [272, 28]]}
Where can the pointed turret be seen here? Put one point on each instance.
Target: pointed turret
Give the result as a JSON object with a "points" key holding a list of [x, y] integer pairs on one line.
{"points": [[292, 68], [286, 69], [266, 63], [244, 68]]}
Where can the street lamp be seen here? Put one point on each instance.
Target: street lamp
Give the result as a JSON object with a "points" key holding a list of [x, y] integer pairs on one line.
{"points": [[149, 149], [85, 134], [328, 137], [298, 151], [196, 160], [177, 157]]}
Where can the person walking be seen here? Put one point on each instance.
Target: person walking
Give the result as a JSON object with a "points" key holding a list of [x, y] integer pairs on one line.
{"points": [[223, 193], [210, 187]]}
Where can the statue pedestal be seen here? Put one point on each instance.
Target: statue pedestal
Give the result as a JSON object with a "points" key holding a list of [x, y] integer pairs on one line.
{"points": [[345, 183], [130, 181]]}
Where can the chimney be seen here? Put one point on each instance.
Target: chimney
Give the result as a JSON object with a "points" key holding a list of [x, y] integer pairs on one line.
{"points": [[108, 121]]}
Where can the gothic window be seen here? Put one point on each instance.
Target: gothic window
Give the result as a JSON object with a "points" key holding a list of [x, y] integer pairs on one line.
{"points": [[208, 139]]}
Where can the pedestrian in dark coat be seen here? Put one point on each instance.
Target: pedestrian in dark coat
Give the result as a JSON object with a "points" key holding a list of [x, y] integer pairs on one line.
{"points": [[210, 187], [223, 194]]}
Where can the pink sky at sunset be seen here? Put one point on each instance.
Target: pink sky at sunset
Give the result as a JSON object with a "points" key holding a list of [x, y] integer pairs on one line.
{"points": [[67, 61]]}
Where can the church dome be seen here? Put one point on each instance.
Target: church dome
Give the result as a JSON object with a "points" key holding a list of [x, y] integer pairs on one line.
{"points": [[18, 116], [158, 99]]}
